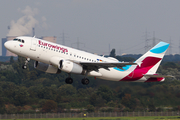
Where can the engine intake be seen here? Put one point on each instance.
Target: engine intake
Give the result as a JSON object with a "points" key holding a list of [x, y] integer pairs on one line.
{"points": [[46, 67]]}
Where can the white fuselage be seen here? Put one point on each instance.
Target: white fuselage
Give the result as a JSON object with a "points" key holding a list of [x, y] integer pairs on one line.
{"points": [[43, 51]]}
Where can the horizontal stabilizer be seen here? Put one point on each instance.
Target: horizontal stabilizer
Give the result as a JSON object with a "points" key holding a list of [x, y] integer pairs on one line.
{"points": [[157, 76]]}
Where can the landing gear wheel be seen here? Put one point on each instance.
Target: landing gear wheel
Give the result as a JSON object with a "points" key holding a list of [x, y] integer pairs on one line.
{"points": [[24, 66], [85, 81], [26, 62], [69, 80]]}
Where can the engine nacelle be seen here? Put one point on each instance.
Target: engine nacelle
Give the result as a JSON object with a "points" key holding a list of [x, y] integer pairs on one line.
{"points": [[66, 65], [70, 67], [46, 67]]}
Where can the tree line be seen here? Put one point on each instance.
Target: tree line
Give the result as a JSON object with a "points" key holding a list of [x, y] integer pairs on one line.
{"points": [[30, 90]]}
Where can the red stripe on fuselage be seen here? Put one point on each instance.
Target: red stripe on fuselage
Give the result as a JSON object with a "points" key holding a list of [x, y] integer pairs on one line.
{"points": [[142, 69]]}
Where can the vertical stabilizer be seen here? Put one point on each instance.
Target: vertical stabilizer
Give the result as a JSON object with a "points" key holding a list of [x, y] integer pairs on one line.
{"points": [[151, 60], [148, 63]]}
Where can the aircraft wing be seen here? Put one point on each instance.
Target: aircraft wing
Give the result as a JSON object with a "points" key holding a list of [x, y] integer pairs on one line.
{"points": [[97, 65]]}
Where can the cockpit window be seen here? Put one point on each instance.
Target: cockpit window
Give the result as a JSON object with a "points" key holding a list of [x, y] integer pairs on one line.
{"points": [[15, 39], [18, 40]]}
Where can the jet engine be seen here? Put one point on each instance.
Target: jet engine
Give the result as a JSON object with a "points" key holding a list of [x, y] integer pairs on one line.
{"points": [[46, 67], [66, 65], [70, 67]]}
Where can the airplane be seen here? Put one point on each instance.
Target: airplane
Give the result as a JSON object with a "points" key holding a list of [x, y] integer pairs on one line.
{"points": [[54, 58]]}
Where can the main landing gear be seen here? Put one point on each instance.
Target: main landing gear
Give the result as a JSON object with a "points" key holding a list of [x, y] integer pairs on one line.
{"points": [[69, 80], [84, 81], [26, 62]]}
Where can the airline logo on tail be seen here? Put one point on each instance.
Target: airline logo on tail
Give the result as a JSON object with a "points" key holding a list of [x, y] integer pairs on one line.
{"points": [[160, 48], [149, 63]]}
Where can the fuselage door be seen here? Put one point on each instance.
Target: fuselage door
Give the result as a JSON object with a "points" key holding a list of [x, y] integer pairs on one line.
{"points": [[33, 44]]}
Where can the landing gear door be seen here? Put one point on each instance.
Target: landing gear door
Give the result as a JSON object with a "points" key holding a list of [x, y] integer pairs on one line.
{"points": [[33, 44]]}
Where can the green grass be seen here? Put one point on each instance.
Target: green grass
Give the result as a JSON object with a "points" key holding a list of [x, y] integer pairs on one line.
{"points": [[110, 118]]}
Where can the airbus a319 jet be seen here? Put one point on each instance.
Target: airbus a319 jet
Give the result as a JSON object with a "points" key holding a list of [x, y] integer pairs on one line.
{"points": [[54, 58]]}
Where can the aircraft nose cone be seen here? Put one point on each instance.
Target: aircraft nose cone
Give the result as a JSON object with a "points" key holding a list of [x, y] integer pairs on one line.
{"points": [[7, 45]]}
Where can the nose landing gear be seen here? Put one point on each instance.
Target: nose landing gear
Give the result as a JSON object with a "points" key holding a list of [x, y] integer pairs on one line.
{"points": [[26, 62]]}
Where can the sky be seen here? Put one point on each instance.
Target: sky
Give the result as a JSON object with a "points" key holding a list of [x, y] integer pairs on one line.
{"points": [[97, 24]]}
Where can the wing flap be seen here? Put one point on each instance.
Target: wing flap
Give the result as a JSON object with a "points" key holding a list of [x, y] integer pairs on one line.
{"points": [[106, 65]]}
